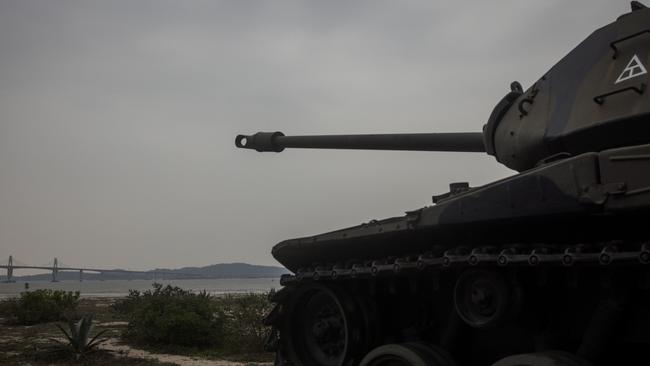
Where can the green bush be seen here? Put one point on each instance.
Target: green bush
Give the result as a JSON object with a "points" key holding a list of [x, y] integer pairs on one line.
{"points": [[171, 315], [244, 330], [40, 306]]}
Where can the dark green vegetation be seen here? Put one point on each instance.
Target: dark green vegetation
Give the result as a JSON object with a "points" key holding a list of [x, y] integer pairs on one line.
{"points": [[174, 320], [171, 315], [237, 334], [33, 344], [243, 328], [40, 306]]}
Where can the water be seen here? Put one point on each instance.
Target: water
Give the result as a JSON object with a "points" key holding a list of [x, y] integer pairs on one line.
{"points": [[116, 288]]}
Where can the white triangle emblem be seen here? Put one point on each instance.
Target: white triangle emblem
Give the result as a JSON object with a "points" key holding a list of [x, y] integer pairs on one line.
{"points": [[633, 69]]}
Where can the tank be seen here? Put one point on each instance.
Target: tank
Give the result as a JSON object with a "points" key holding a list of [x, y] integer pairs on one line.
{"points": [[546, 267]]}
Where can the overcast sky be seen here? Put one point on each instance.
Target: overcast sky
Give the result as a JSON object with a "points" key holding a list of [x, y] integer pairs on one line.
{"points": [[118, 118]]}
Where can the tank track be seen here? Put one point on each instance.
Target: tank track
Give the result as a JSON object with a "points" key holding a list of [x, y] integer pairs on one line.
{"points": [[611, 257], [602, 254]]}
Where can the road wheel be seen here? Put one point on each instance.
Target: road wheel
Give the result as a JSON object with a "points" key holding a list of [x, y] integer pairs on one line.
{"points": [[550, 358], [407, 354], [323, 326]]}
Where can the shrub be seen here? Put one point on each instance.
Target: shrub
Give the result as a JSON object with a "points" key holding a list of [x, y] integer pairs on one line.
{"points": [[40, 306], [244, 330], [171, 315], [79, 341], [128, 304]]}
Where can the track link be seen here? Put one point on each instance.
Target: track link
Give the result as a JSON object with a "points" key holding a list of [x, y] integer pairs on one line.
{"points": [[615, 253]]}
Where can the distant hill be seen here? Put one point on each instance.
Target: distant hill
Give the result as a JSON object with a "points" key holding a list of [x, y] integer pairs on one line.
{"points": [[222, 270], [235, 270]]}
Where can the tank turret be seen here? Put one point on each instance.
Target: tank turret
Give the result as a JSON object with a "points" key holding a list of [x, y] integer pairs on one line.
{"points": [[593, 99]]}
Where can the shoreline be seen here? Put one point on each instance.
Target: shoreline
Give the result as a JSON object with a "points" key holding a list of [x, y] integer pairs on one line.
{"points": [[95, 289]]}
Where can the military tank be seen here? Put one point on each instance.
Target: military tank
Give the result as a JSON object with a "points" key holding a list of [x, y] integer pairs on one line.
{"points": [[546, 267]]}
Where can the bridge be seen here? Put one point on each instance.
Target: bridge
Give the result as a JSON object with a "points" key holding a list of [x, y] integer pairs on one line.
{"points": [[55, 267]]}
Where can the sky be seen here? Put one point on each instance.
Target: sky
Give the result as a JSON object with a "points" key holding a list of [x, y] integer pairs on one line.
{"points": [[118, 118]]}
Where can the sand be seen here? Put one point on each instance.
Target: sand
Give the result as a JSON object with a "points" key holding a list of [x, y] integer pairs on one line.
{"points": [[113, 344]]}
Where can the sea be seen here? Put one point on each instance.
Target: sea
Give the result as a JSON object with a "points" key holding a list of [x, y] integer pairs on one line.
{"points": [[120, 288]]}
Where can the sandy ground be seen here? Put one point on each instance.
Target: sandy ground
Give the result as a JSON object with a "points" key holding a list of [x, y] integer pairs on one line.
{"points": [[113, 345]]}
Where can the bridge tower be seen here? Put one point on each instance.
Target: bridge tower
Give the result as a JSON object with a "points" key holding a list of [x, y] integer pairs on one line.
{"points": [[55, 270], [10, 269]]}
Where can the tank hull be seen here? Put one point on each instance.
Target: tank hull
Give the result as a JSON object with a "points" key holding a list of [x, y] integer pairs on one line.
{"points": [[594, 196], [563, 248]]}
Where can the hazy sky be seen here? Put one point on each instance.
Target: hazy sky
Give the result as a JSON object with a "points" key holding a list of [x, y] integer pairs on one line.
{"points": [[117, 118]]}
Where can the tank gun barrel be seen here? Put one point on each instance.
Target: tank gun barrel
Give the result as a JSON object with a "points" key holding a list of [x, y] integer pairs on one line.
{"points": [[277, 141]]}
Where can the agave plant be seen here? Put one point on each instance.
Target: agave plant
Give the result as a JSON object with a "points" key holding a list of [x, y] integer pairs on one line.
{"points": [[79, 341]]}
